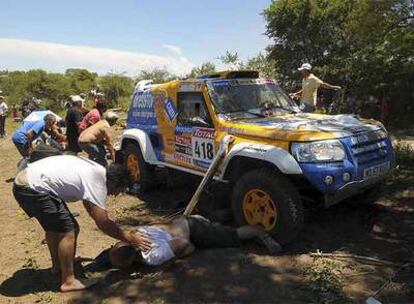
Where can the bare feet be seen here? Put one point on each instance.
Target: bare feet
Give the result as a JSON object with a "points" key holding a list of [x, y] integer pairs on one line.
{"points": [[77, 285]]}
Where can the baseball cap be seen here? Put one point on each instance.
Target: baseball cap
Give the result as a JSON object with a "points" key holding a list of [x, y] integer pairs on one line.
{"points": [[76, 98], [111, 117], [305, 66]]}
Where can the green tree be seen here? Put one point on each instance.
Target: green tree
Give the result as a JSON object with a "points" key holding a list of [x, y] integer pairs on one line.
{"points": [[115, 87], [364, 45], [157, 75], [205, 68], [266, 66], [82, 81], [232, 60]]}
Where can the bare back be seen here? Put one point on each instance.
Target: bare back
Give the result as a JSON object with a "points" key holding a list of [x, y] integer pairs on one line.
{"points": [[97, 133]]}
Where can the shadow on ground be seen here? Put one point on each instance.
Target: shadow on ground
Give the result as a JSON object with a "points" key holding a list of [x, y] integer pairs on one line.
{"points": [[27, 281]]}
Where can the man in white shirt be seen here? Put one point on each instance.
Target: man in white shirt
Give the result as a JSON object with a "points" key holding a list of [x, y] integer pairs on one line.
{"points": [[309, 91], [42, 191], [3, 114], [181, 236]]}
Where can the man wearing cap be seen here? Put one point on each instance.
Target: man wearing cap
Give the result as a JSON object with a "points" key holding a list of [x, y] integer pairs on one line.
{"points": [[3, 113], [97, 138], [42, 191], [310, 85], [73, 118]]}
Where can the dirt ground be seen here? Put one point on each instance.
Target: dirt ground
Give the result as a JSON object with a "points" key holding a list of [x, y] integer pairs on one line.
{"points": [[384, 230]]}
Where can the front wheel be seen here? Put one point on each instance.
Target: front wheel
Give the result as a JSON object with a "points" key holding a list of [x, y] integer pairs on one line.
{"points": [[263, 197], [139, 171]]}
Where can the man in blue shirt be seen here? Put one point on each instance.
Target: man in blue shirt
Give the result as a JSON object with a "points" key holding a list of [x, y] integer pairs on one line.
{"points": [[24, 136]]}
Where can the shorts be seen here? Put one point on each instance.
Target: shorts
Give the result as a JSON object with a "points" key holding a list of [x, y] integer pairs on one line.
{"points": [[205, 234], [51, 212], [306, 107], [96, 152], [22, 148]]}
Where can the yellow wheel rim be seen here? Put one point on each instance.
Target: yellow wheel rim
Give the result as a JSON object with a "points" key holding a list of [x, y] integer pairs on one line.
{"points": [[133, 168], [259, 209]]}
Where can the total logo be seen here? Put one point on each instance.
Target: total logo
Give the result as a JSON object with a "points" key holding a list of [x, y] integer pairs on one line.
{"points": [[203, 133]]}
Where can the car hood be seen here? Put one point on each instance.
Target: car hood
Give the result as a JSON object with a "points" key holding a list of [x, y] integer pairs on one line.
{"points": [[303, 126]]}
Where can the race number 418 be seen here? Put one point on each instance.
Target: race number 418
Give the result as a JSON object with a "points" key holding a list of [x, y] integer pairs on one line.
{"points": [[203, 144]]}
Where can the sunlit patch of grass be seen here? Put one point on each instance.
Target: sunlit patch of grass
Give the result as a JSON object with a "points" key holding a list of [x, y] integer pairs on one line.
{"points": [[323, 277], [31, 263], [21, 215], [30, 237], [404, 154]]}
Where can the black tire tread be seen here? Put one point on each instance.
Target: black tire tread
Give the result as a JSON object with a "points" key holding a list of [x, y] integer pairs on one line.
{"points": [[289, 201]]}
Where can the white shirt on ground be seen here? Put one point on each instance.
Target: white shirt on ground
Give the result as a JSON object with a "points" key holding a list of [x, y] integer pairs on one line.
{"points": [[71, 178], [3, 108], [161, 250]]}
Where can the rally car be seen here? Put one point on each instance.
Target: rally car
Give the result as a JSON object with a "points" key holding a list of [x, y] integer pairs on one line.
{"points": [[280, 156]]}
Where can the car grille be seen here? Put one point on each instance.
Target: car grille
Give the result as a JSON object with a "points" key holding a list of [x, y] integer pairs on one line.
{"points": [[369, 147]]}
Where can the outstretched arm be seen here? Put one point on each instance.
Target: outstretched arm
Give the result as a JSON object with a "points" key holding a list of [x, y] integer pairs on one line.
{"points": [[296, 94], [109, 227], [326, 85], [108, 142]]}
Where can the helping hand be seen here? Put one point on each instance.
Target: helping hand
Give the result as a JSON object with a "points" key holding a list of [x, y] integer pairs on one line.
{"points": [[140, 240]]}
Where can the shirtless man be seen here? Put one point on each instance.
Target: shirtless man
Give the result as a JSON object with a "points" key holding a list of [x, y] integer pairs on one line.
{"points": [[98, 136], [181, 236]]}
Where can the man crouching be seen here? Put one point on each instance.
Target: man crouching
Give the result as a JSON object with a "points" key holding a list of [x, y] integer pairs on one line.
{"points": [[43, 189], [181, 236]]}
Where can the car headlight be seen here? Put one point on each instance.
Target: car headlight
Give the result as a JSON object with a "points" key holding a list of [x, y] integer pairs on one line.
{"points": [[319, 151]]}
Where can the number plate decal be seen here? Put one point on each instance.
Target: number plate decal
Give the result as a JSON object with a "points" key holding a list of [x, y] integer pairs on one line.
{"points": [[202, 145]]}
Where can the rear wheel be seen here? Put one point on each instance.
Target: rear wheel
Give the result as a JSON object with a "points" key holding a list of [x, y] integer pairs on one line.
{"points": [[139, 171], [263, 197]]}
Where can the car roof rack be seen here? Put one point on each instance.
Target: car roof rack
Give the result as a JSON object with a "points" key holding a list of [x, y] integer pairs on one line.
{"points": [[230, 75]]}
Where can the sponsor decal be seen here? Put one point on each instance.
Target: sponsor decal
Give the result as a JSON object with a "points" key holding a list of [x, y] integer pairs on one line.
{"points": [[203, 144], [203, 133], [183, 140], [183, 149], [170, 109], [201, 164], [182, 158], [142, 111]]}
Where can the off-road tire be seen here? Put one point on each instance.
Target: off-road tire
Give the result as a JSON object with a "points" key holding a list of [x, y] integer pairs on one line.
{"points": [[146, 178], [285, 197]]}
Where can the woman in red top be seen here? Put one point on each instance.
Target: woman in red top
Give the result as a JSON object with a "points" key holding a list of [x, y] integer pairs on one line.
{"points": [[93, 116]]}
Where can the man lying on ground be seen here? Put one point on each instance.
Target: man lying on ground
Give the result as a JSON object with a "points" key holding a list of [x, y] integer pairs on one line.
{"points": [[181, 236], [95, 139], [42, 191]]}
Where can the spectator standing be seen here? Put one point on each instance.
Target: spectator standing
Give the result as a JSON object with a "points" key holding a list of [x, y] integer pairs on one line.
{"points": [[3, 114], [310, 85], [74, 117]]}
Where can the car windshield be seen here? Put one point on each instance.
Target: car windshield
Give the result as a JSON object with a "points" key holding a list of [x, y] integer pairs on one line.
{"points": [[249, 98]]}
